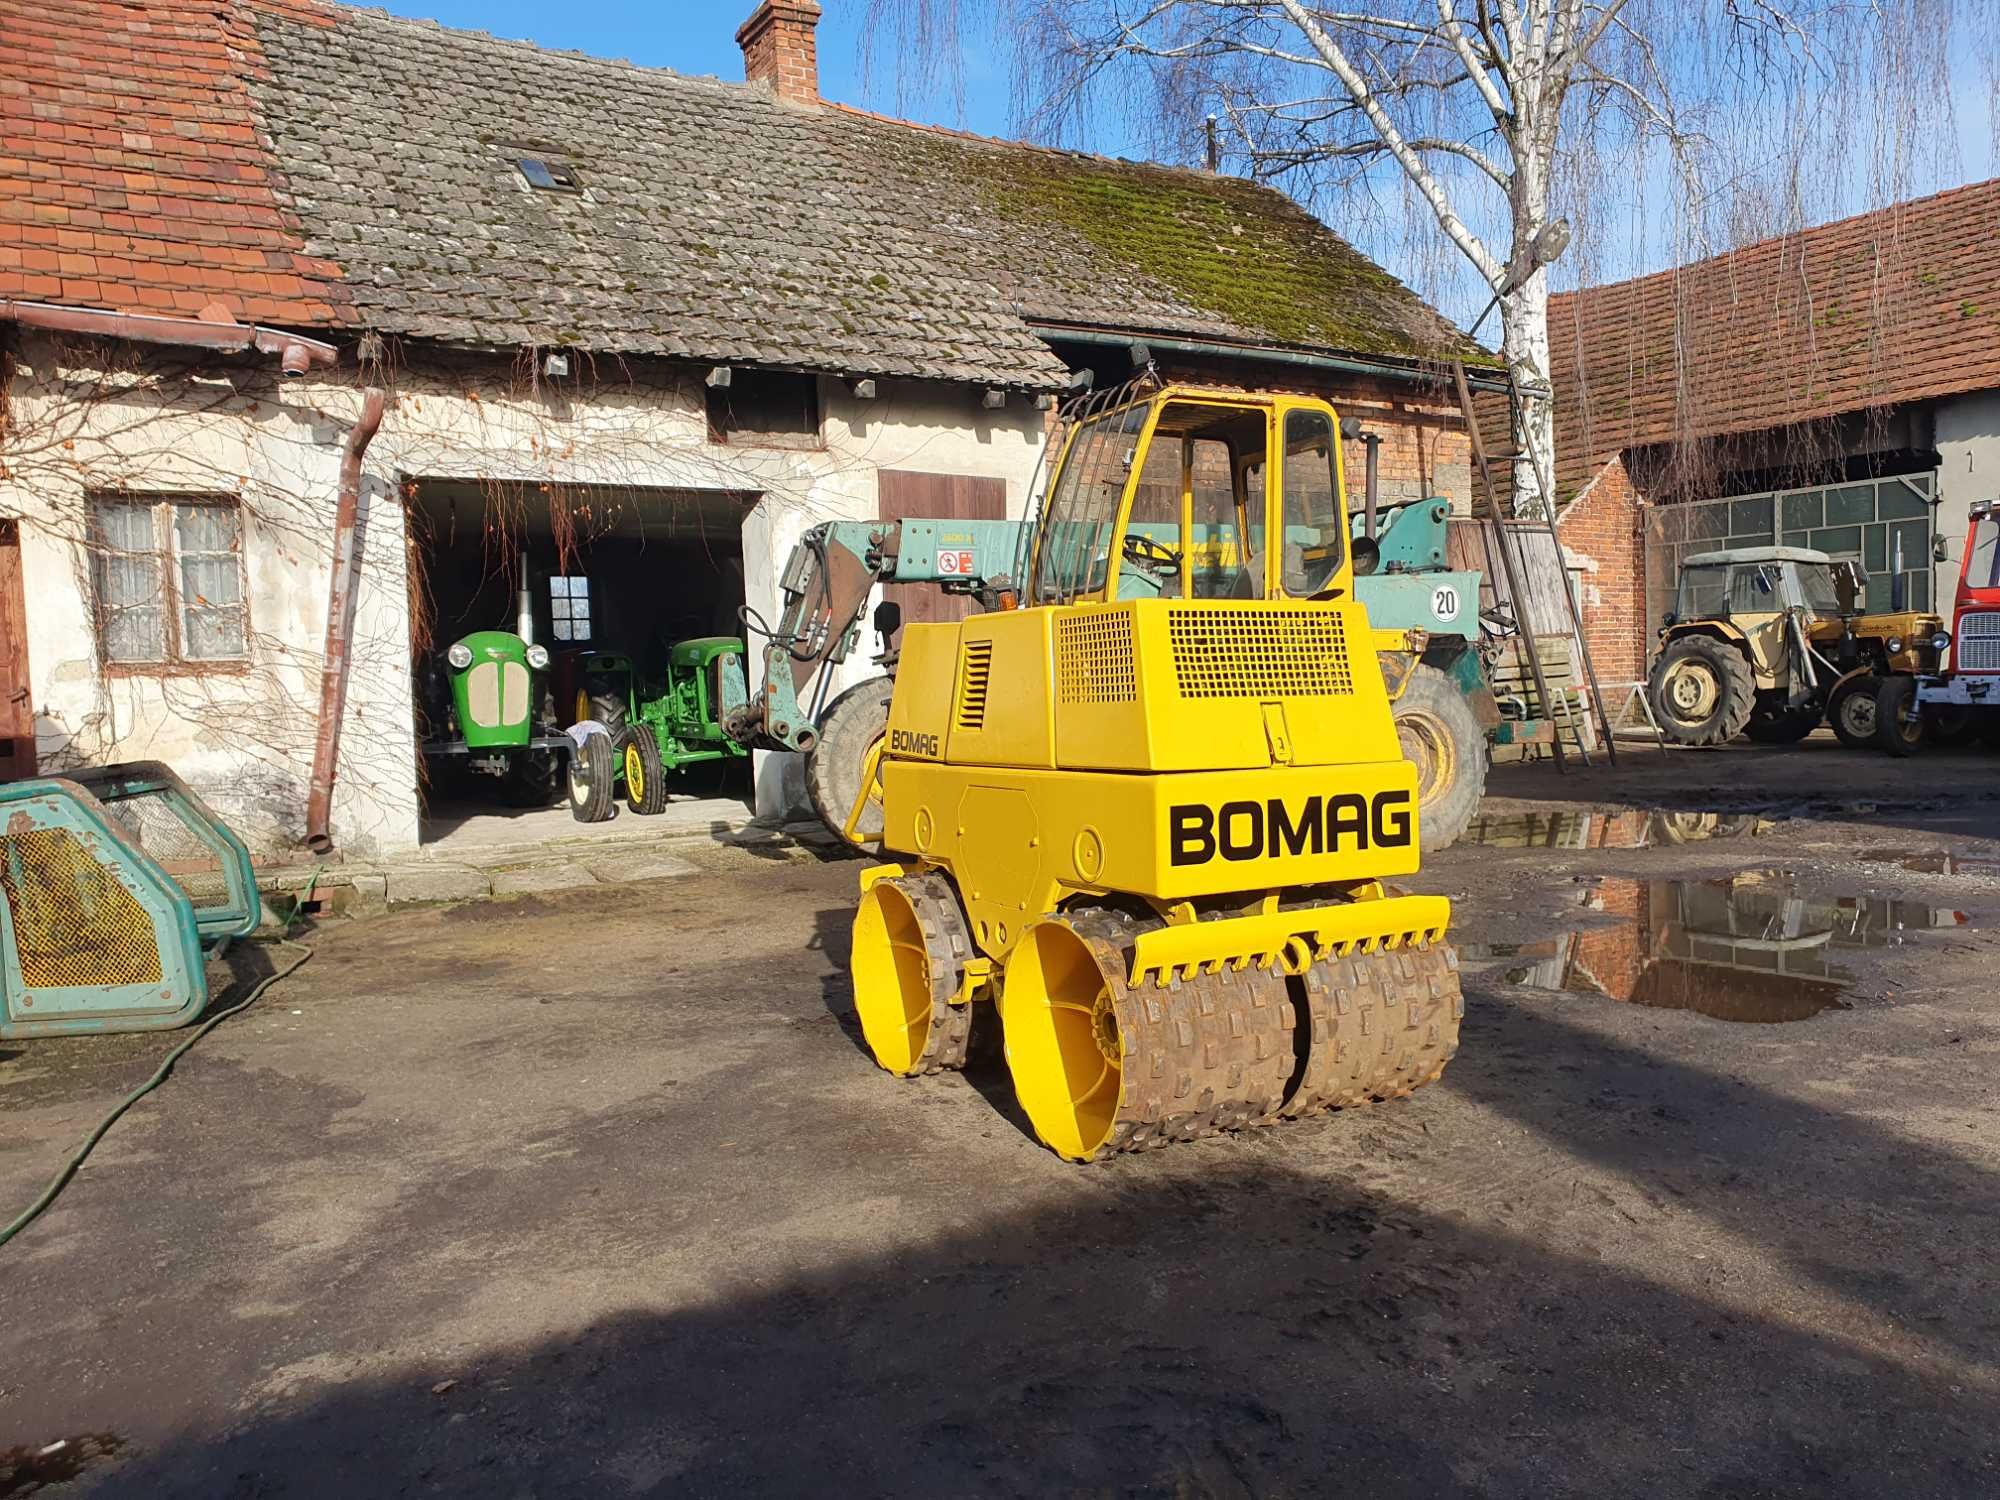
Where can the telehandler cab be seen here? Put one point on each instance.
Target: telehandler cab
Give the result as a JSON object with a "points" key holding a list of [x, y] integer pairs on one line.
{"points": [[1147, 814]]}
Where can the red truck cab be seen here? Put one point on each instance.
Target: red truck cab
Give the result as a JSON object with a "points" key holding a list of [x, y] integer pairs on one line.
{"points": [[1971, 682]]}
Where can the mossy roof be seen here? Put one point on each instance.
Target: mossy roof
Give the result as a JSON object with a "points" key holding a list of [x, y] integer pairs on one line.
{"points": [[720, 223]]}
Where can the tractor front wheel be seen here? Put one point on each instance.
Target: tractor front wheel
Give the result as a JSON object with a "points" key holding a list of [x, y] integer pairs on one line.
{"points": [[593, 775], [1852, 712], [1701, 691], [645, 773], [1441, 737], [845, 756], [1897, 729]]}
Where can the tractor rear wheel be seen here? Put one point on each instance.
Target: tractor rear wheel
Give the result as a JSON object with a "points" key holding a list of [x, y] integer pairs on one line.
{"points": [[1951, 724], [1897, 730], [1441, 737], [593, 775], [1852, 712], [845, 753], [645, 774], [1782, 726], [599, 698], [1701, 691]]}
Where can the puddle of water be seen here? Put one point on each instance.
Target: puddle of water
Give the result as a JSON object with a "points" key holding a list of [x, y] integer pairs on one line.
{"points": [[1750, 948], [26, 1471], [1627, 828]]}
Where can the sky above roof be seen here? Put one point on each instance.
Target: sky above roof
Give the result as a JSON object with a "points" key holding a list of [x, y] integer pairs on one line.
{"points": [[698, 37]]}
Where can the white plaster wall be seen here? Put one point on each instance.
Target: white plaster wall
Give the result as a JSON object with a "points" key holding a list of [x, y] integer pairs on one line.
{"points": [[1968, 444], [140, 421]]}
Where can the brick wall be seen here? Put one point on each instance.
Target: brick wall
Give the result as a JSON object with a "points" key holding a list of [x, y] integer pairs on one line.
{"points": [[780, 48], [1601, 540]]}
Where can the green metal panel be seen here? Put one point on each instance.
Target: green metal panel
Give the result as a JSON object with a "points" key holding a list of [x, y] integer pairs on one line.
{"points": [[1444, 603], [94, 935]]}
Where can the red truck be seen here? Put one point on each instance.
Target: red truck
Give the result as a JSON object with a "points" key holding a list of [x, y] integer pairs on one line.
{"points": [[1963, 699]]}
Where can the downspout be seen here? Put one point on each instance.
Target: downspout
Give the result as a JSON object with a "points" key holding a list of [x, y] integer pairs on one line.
{"points": [[339, 623]]}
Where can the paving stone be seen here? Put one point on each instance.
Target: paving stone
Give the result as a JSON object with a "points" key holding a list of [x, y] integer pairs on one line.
{"points": [[616, 869], [437, 883], [530, 879]]}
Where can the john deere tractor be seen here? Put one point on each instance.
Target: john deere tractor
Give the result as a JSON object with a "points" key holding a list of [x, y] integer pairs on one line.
{"points": [[1146, 814], [653, 730], [1770, 641]]}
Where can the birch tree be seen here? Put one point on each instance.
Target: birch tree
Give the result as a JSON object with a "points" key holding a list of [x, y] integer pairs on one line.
{"points": [[1503, 125]]}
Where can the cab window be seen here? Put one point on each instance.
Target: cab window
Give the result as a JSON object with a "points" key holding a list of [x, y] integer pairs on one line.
{"points": [[1315, 516], [1075, 553], [1982, 562]]}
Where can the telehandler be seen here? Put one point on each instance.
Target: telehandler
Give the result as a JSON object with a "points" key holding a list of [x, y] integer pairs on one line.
{"points": [[1145, 805]]}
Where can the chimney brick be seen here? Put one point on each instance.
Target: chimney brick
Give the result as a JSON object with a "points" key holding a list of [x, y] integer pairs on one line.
{"points": [[779, 48]]}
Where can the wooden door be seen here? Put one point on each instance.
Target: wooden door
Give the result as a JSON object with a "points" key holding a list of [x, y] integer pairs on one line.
{"points": [[17, 708], [905, 494]]}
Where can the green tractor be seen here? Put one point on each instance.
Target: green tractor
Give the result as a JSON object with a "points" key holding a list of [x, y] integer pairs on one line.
{"points": [[488, 703], [637, 734]]}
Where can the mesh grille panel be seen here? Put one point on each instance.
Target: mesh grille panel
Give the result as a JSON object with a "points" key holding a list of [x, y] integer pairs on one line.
{"points": [[74, 924], [1262, 652], [513, 693], [482, 695], [1094, 658], [1978, 642], [975, 673], [152, 823]]}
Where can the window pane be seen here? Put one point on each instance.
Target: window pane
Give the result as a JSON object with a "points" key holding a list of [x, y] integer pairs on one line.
{"points": [[1314, 517], [1076, 537], [564, 630], [559, 589], [1752, 516], [206, 528], [1894, 501], [1851, 505], [213, 634], [135, 635], [127, 528], [1808, 509], [210, 582]]}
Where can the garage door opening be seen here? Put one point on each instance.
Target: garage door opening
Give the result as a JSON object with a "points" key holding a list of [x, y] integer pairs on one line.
{"points": [[534, 607]]}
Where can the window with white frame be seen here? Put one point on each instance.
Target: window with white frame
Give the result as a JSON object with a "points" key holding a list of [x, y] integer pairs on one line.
{"points": [[569, 606], [168, 573]]}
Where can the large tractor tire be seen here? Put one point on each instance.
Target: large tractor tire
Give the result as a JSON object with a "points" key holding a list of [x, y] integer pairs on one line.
{"points": [[1782, 726], [1441, 737], [1949, 725], [849, 732], [531, 779], [1895, 730], [601, 698], [1701, 691], [1852, 712], [593, 779]]}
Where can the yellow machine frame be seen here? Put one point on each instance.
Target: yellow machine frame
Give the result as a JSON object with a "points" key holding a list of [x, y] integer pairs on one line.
{"points": [[1114, 809]]}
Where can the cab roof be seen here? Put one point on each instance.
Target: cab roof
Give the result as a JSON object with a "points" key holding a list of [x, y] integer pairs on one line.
{"points": [[1755, 555]]}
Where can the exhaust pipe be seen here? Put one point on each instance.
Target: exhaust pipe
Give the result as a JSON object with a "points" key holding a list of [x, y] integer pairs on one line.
{"points": [[339, 623], [1373, 492]]}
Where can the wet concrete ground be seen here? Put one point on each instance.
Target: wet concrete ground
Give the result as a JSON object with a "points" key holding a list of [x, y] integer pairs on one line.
{"points": [[593, 1193]]}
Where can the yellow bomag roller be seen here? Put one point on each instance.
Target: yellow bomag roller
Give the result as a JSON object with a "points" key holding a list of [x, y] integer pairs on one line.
{"points": [[1148, 813]]}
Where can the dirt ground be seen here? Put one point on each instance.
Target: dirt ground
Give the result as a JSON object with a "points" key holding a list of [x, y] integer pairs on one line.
{"points": [[596, 1194]]}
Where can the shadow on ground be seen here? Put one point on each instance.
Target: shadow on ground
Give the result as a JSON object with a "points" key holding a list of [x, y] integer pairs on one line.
{"points": [[1147, 1342]]}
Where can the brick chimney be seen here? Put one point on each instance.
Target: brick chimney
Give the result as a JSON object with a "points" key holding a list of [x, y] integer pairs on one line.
{"points": [[778, 48]]}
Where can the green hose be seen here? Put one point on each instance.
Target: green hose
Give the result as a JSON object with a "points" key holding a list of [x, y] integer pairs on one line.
{"points": [[69, 1168]]}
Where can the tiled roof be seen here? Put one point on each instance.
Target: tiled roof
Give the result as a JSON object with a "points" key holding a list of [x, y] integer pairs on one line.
{"points": [[1895, 306], [716, 222], [130, 172]]}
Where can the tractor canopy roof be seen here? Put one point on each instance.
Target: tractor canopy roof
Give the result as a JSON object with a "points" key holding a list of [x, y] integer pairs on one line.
{"points": [[1755, 555]]}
